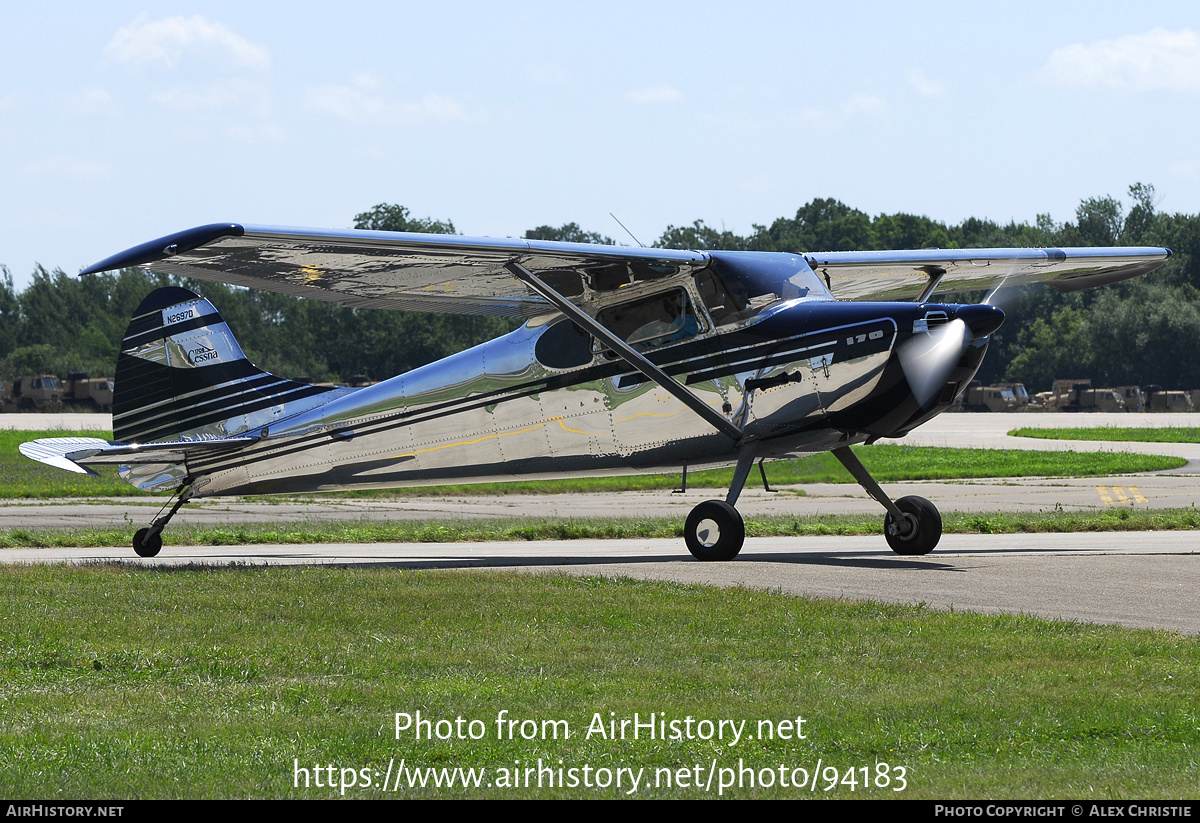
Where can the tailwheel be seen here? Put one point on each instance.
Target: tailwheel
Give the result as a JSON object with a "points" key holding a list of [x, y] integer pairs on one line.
{"points": [[714, 531], [924, 527], [147, 543]]}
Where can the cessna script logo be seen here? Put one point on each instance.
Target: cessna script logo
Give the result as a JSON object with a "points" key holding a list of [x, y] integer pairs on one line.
{"points": [[201, 354]]}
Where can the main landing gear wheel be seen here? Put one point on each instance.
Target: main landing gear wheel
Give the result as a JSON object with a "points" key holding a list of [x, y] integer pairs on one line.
{"points": [[925, 531], [147, 544], [714, 531]]}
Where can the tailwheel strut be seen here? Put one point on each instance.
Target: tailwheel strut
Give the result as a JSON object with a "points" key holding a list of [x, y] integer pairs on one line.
{"points": [[147, 542], [913, 525]]}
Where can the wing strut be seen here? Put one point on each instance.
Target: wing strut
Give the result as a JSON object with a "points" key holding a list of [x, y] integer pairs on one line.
{"points": [[936, 273], [626, 352]]}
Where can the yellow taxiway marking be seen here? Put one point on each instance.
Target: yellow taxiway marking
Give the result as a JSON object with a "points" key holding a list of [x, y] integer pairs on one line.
{"points": [[1134, 495]]}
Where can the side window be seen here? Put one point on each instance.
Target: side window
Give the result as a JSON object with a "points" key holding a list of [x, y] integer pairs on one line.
{"points": [[564, 346], [726, 303], [652, 321]]}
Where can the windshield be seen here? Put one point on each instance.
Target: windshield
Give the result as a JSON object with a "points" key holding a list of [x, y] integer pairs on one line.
{"points": [[739, 284]]}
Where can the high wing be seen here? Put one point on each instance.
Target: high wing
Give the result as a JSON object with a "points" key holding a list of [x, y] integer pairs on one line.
{"points": [[399, 270], [472, 275], [903, 275]]}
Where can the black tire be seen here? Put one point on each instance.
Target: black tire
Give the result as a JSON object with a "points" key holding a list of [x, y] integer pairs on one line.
{"points": [[714, 531], [146, 544], [926, 532]]}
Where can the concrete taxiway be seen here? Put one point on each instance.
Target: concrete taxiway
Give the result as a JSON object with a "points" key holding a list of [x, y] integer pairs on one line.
{"points": [[1142, 580]]}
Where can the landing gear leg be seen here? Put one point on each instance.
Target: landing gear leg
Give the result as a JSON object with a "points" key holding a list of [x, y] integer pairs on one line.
{"points": [[763, 472], [715, 530], [913, 525], [148, 542]]}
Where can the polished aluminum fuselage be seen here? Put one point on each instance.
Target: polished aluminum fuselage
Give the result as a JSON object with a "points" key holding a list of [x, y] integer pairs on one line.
{"points": [[498, 412]]}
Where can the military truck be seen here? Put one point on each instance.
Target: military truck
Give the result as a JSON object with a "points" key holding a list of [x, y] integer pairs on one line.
{"points": [[80, 389], [1159, 399], [1135, 400], [1075, 394], [1019, 394], [982, 398], [38, 392]]}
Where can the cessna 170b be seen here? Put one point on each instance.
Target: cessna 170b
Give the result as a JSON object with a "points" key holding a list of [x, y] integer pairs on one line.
{"points": [[630, 360]]}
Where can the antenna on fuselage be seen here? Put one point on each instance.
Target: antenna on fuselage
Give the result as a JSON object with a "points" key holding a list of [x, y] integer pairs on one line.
{"points": [[627, 231]]}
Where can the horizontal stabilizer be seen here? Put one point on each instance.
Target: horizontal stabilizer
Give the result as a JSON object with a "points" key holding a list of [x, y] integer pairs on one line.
{"points": [[74, 454]]}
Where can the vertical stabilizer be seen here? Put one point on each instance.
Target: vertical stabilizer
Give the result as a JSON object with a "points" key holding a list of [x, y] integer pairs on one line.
{"points": [[181, 375]]}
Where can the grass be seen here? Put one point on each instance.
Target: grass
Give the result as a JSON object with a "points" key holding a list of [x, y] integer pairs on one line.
{"points": [[517, 529], [216, 683], [24, 478], [1136, 434]]}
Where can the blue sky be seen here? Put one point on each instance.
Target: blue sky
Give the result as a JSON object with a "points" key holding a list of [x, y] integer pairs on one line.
{"points": [[120, 122]]}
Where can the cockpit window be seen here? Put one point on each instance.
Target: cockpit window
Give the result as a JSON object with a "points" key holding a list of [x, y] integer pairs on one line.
{"points": [[726, 301], [739, 284], [652, 321]]}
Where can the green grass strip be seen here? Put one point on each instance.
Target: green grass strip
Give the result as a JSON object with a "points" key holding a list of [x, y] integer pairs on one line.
{"points": [[460, 531], [24, 478], [887, 463], [1135, 434], [222, 683]]}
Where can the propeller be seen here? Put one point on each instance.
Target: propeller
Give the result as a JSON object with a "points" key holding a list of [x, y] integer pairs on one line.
{"points": [[929, 358]]}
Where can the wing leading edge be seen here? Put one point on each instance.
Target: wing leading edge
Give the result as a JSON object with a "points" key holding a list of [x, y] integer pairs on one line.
{"points": [[398, 270], [472, 275], [902, 275]]}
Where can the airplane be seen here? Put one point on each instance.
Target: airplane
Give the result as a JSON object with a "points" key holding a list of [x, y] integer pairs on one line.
{"points": [[629, 360]]}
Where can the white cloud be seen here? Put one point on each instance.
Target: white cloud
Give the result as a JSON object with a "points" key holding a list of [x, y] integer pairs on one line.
{"points": [[864, 104], [92, 100], [433, 107], [238, 108], [357, 104], [1186, 169], [257, 132], [924, 86], [347, 102], [365, 80], [547, 74], [70, 168], [655, 94], [251, 98], [1158, 59], [858, 106], [164, 42], [813, 117]]}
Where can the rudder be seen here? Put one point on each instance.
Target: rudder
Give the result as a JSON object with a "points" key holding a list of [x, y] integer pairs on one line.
{"points": [[181, 375]]}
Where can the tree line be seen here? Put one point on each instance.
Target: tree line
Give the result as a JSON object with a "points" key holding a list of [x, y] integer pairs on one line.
{"points": [[1140, 332]]}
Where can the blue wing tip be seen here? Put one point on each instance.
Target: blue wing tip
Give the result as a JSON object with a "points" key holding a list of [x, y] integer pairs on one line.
{"points": [[165, 247]]}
